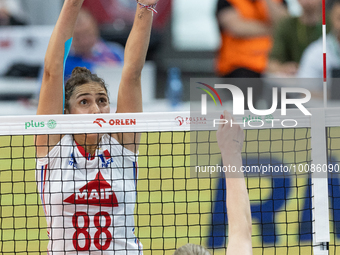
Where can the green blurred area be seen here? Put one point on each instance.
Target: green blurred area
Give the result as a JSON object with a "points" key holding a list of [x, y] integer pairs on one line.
{"points": [[22, 221]]}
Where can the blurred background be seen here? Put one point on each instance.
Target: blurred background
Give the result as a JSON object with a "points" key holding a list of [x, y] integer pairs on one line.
{"points": [[185, 43]]}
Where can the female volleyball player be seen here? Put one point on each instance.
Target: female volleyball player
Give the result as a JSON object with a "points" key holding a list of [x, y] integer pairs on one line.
{"points": [[230, 141], [87, 182]]}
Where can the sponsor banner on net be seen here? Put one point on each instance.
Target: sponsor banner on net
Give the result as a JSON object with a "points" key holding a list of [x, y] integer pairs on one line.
{"points": [[35, 124], [99, 123]]}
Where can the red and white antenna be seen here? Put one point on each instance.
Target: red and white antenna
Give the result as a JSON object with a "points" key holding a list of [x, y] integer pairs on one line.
{"points": [[324, 53]]}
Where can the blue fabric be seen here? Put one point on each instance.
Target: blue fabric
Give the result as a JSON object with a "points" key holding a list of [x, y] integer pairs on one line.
{"points": [[68, 44], [102, 53], [74, 61]]}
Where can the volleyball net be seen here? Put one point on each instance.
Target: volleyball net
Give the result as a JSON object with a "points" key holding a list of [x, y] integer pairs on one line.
{"points": [[291, 174]]}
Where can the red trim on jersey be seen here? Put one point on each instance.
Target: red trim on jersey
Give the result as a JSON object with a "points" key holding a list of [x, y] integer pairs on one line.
{"points": [[107, 154], [86, 155]]}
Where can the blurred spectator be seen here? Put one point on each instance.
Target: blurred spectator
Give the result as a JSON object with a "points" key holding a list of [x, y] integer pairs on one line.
{"points": [[88, 49], [311, 65], [11, 13], [293, 35], [246, 27]]}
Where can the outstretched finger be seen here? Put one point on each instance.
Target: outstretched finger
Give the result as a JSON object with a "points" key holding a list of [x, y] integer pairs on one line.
{"points": [[221, 125]]}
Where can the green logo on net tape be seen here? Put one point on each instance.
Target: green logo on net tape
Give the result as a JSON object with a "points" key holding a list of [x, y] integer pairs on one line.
{"points": [[51, 124]]}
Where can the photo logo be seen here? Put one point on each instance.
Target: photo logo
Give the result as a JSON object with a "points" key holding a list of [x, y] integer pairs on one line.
{"points": [[238, 100], [204, 97], [243, 103]]}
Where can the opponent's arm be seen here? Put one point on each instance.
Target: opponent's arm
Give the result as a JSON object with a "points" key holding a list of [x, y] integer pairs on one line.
{"points": [[230, 141], [51, 93], [130, 91]]}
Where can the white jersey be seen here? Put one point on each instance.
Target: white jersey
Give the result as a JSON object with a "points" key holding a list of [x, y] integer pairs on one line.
{"points": [[89, 202]]}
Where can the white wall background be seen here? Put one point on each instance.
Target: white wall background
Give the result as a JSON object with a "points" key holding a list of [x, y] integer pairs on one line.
{"points": [[42, 12]]}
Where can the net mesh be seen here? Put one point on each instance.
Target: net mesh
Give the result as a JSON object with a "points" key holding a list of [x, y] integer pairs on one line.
{"points": [[333, 139], [172, 208]]}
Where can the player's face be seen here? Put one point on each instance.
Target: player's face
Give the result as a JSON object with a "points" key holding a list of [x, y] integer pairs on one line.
{"points": [[335, 16], [90, 98]]}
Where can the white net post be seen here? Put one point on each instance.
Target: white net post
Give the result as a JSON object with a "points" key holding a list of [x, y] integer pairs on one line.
{"points": [[321, 236]]}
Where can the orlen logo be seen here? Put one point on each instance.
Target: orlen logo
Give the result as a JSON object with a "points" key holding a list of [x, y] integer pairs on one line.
{"points": [[97, 121], [116, 122]]}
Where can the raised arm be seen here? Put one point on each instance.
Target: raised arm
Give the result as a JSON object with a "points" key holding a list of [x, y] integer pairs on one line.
{"points": [[230, 141], [51, 93], [130, 93]]}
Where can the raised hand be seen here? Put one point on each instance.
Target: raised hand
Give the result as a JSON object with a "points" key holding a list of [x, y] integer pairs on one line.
{"points": [[230, 138]]}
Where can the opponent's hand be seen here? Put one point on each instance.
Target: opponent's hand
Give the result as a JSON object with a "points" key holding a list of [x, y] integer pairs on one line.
{"points": [[230, 138]]}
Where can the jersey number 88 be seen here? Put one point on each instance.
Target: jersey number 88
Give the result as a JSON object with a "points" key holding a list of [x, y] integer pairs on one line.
{"points": [[84, 231]]}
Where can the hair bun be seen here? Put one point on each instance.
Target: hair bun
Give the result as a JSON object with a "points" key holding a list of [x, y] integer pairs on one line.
{"points": [[81, 70]]}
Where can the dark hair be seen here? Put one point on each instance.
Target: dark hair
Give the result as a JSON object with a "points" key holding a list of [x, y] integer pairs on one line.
{"points": [[80, 76]]}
